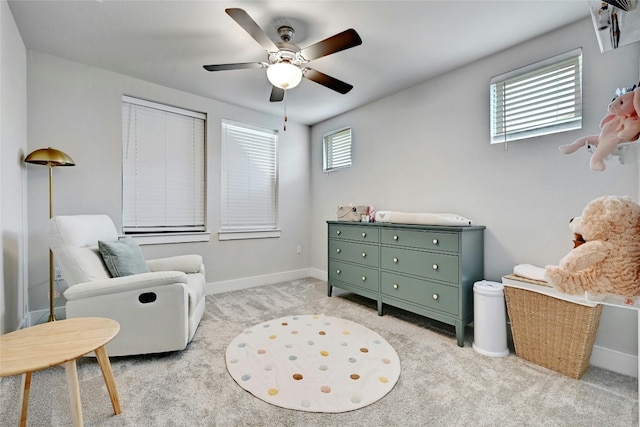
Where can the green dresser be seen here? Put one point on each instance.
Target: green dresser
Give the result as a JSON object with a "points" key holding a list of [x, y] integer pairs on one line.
{"points": [[426, 269]]}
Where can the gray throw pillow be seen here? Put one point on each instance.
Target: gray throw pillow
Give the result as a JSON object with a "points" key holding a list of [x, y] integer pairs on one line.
{"points": [[123, 258]]}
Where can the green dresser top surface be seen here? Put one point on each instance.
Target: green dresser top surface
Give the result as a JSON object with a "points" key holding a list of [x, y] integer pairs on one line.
{"points": [[410, 226]]}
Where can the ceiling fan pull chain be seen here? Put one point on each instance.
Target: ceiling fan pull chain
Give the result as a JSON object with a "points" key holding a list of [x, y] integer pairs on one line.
{"points": [[285, 115]]}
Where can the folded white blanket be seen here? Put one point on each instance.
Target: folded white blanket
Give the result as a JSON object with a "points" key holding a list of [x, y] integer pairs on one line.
{"points": [[530, 272], [421, 218]]}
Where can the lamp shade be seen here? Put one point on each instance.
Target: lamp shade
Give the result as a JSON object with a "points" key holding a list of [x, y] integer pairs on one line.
{"points": [[49, 156], [284, 75]]}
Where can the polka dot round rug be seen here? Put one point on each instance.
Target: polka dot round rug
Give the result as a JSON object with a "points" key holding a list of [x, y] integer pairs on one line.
{"points": [[313, 363]]}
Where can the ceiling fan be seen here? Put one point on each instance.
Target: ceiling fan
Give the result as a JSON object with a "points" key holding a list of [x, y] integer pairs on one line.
{"points": [[286, 61]]}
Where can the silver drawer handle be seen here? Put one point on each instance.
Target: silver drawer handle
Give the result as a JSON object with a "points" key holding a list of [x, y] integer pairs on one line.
{"points": [[364, 278], [435, 296], [395, 260], [338, 250], [396, 286], [435, 241], [338, 271], [364, 234], [364, 254], [435, 266], [395, 237], [338, 232]]}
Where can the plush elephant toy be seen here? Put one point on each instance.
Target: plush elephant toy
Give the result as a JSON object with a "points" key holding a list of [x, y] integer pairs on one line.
{"points": [[621, 124]]}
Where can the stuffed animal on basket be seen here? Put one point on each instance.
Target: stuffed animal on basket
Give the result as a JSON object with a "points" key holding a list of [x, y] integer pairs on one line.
{"points": [[621, 124], [609, 260]]}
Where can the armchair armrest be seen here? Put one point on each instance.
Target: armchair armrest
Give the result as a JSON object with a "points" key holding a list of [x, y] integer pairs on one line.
{"points": [[185, 263], [124, 284]]}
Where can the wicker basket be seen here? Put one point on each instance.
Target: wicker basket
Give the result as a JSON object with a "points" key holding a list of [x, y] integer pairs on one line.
{"points": [[551, 332]]}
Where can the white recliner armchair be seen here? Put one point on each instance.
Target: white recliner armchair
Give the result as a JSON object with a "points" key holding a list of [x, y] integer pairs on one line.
{"points": [[158, 311]]}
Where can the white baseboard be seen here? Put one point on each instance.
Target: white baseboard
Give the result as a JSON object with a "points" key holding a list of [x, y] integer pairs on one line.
{"points": [[25, 321], [41, 316], [318, 274], [252, 282], [612, 360]]}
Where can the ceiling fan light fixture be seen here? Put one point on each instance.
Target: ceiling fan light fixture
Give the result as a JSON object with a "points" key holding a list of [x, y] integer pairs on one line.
{"points": [[284, 75]]}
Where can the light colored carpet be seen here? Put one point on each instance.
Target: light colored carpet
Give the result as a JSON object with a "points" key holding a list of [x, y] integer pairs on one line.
{"points": [[313, 362], [441, 384]]}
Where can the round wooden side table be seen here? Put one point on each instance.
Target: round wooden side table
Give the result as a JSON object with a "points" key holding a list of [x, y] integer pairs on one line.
{"points": [[56, 343]]}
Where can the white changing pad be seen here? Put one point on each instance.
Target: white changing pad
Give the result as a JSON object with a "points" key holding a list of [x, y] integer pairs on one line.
{"points": [[421, 218]]}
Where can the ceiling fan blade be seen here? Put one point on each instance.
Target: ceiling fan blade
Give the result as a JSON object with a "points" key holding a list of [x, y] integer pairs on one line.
{"points": [[238, 66], [277, 94], [243, 19], [344, 40], [327, 81]]}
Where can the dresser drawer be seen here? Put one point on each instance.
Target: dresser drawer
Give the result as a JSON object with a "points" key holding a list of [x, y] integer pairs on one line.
{"points": [[429, 294], [431, 265], [354, 252], [349, 232], [354, 274], [433, 240]]}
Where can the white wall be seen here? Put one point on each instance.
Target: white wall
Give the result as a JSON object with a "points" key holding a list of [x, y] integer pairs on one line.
{"points": [[77, 109], [422, 150], [13, 137], [427, 149]]}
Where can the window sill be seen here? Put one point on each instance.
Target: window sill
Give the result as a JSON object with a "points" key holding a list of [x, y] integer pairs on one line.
{"points": [[254, 234], [164, 238]]}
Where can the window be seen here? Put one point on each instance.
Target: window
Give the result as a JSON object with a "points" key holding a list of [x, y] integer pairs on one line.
{"points": [[249, 181], [336, 147], [163, 168], [542, 98]]}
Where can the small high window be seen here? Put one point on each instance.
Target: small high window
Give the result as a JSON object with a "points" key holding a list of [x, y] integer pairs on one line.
{"points": [[336, 147], [539, 99]]}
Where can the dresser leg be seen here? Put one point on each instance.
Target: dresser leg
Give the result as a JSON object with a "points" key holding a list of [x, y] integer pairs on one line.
{"points": [[460, 333], [329, 289], [380, 308]]}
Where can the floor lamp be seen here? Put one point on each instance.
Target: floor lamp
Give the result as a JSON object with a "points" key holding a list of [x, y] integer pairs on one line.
{"points": [[52, 158]]}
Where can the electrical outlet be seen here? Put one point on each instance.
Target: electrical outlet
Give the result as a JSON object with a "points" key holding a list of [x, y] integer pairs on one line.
{"points": [[299, 249], [57, 273]]}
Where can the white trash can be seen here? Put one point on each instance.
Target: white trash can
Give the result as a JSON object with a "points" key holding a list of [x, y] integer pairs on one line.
{"points": [[489, 319]]}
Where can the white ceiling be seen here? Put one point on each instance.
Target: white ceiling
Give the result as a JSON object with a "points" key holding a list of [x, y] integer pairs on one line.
{"points": [[167, 42]]}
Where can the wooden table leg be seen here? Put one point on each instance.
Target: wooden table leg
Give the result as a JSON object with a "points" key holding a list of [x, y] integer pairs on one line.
{"points": [[107, 373], [24, 398], [74, 392]]}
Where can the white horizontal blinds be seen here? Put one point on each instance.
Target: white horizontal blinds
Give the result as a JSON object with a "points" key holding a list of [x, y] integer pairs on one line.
{"points": [[337, 149], [163, 164], [249, 177], [540, 99]]}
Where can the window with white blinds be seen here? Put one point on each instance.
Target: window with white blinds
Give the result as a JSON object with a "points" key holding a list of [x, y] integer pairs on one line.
{"points": [[336, 150], [540, 99], [163, 168], [249, 178]]}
